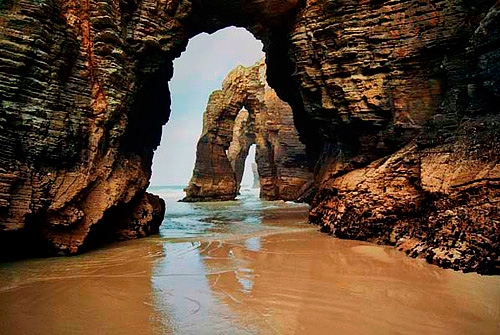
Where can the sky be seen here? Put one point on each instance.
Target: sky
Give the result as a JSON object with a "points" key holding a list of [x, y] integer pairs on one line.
{"points": [[198, 72]]}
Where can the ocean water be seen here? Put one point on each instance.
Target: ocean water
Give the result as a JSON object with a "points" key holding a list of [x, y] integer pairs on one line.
{"points": [[247, 215]]}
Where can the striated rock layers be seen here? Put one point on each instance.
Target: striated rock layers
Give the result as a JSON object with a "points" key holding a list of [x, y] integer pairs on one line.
{"points": [[396, 101], [409, 114], [83, 96], [245, 112]]}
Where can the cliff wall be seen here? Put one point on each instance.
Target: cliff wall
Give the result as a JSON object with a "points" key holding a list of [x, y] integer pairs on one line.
{"points": [[83, 96], [406, 97]]}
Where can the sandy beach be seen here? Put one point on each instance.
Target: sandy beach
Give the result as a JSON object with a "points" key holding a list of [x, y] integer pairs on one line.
{"points": [[273, 274]]}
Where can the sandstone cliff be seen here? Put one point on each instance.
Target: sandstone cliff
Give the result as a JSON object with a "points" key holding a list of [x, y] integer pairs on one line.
{"points": [[247, 111], [83, 96], [400, 93], [411, 155]]}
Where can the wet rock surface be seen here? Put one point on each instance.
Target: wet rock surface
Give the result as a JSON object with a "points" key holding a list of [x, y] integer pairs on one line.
{"points": [[244, 112], [437, 197], [441, 203]]}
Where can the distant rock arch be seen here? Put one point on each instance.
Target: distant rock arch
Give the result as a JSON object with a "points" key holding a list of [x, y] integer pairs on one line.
{"points": [[247, 111]]}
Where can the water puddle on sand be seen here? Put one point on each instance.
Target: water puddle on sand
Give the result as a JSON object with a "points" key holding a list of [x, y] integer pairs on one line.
{"points": [[269, 276]]}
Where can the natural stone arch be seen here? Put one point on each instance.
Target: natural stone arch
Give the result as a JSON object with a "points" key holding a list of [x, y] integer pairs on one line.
{"points": [[243, 139], [83, 90], [247, 111], [84, 95]]}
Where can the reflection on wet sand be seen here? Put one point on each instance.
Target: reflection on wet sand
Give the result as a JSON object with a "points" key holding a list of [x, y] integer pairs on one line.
{"points": [[308, 283], [258, 272], [106, 291], [305, 283]]}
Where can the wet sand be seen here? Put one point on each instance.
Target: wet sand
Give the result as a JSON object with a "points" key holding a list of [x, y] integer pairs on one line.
{"points": [[286, 283], [303, 283], [286, 278]]}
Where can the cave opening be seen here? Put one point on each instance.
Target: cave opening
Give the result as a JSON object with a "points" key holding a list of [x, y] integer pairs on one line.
{"points": [[118, 71], [242, 152], [84, 96], [199, 71], [250, 179], [248, 111]]}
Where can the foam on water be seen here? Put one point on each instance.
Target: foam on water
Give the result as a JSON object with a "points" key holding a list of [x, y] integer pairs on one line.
{"points": [[245, 215], [171, 191]]}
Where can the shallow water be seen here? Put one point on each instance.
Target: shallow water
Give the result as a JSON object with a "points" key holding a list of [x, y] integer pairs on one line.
{"points": [[243, 267]]}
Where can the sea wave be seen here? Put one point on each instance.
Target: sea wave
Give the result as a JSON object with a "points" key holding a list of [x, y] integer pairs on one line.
{"points": [[170, 191]]}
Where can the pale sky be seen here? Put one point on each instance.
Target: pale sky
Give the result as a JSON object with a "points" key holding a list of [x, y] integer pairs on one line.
{"points": [[197, 73]]}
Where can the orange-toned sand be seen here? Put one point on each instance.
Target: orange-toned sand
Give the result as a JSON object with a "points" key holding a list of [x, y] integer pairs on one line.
{"points": [[297, 282]]}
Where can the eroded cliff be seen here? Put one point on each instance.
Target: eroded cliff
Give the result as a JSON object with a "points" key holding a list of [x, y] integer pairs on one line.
{"points": [[83, 96], [411, 155], [244, 112], [399, 93]]}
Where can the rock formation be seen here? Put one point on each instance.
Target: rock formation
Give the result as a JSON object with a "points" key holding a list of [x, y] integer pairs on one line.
{"points": [[393, 99], [411, 156], [247, 111]]}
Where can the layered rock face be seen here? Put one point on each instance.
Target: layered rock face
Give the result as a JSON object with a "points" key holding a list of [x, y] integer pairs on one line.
{"points": [[72, 95], [245, 112], [83, 96], [409, 114], [396, 101]]}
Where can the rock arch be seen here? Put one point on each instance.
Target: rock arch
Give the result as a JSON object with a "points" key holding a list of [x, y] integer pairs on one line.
{"points": [[403, 92], [247, 111], [84, 94]]}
